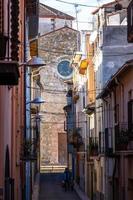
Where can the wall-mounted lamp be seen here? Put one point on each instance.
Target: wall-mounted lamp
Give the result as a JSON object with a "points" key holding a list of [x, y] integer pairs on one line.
{"points": [[34, 62], [37, 100]]}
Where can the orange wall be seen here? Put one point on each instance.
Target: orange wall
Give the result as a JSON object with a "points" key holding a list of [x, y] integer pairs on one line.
{"points": [[90, 71]]}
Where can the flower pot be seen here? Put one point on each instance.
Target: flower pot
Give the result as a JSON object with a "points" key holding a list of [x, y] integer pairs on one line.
{"points": [[3, 43]]}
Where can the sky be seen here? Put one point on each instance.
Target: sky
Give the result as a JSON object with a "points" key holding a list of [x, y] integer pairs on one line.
{"points": [[83, 12]]}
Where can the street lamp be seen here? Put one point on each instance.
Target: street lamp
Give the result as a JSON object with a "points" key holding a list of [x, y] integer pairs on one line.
{"points": [[37, 100], [35, 62]]}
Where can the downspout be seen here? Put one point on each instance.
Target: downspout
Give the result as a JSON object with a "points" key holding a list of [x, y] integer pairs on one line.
{"points": [[122, 85], [104, 150], [8, 29], [27, 108], [114, 171], [24, 136]]}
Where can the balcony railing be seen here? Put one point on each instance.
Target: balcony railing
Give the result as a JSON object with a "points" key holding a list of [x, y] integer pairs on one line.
{"points": [[9, 46], [122, 137], [93, 146], [75, 138], [29, 150]]}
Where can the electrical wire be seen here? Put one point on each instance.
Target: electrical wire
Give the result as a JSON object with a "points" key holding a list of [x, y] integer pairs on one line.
{"points": [[67, 53], [77, 4], [83, 22], [85, 5], [74, 113], [54, 122], [71, 52], [96, 91]]}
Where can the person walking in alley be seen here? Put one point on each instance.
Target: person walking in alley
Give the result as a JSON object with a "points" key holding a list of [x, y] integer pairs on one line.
{"points": [[67, 178]]}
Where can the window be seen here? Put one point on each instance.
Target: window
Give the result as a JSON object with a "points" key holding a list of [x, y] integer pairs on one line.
{"points": [[64, 70], [130, 116], [83, 98], [116, 113], [53, 24]]}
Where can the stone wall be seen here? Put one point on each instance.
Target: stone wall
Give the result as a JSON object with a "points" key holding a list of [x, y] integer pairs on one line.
{"points": [[53, 47]]}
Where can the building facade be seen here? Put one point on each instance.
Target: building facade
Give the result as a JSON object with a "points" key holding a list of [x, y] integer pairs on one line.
{"points": [[117, 122], [110, 51], [11, 99], [56, 47]]}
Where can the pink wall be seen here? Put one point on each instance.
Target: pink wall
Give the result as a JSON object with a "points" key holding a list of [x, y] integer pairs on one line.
{"points": [[12, 115], [5, 127]]}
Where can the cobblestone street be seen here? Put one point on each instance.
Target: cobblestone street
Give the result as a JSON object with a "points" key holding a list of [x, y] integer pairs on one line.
{"points": [[51, 189]]}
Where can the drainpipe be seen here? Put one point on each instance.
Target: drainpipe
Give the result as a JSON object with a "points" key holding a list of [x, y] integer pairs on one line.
{"points": [[86, 174], [27, 114], [113, 187], [122, 85], [105, 176]]}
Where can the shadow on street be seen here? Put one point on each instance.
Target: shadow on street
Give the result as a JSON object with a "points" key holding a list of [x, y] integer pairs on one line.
{"points": [[51, 188]]}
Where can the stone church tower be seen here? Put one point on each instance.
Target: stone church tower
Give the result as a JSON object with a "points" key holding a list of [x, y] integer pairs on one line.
{"points": [[56, 48]]}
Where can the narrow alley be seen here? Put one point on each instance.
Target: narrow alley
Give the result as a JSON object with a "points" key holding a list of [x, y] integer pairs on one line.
{"points": [[51, 189], [66, 99]]}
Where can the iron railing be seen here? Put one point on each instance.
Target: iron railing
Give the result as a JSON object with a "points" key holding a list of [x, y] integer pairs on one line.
{"points": [[93, 146], [29, 150], [121, 136]]}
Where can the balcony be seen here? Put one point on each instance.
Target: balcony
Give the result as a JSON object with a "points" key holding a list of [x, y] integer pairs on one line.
{"points": [[93, 146], [75, 138], [75, 98], [29, 150], [83, 66], [122, 137]]}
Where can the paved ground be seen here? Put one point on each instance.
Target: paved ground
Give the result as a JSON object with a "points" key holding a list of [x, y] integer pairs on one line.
{"points": [[50, 188]]}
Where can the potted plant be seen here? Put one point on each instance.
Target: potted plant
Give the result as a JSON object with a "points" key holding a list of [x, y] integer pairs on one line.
{"points": [[3, 42]]}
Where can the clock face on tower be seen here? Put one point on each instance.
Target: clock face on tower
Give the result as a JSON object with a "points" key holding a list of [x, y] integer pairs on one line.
{"points": [[64, 69]]}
